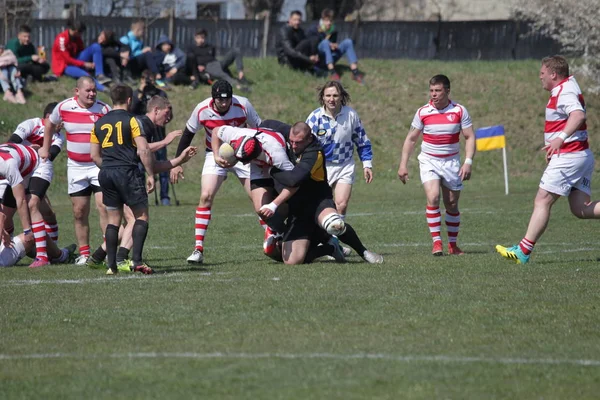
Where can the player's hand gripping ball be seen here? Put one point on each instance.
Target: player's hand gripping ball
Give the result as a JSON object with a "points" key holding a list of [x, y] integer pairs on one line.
{"points": [[227, 153]]}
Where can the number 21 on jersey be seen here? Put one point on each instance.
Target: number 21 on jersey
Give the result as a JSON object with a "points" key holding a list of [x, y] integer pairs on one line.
{"points": [[107, 142]]}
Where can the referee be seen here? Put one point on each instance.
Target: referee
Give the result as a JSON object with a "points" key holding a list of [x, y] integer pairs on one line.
{"points": [[118, 145]]}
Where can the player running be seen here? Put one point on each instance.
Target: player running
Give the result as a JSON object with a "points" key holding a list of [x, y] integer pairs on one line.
{"points": [[78, 115], [441, 121], [28, 133], [570, 161], [338, 128], [222, 108]]}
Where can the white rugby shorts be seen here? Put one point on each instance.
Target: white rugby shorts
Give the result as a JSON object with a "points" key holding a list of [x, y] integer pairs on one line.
{"points": [[44, 170], [343, 173], [569, 171], [80, 177], [443, 169], [9, 256], [212, 168], [258, 172]]}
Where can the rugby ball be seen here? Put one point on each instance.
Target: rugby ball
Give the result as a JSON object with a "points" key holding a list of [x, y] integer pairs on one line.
{"points": [[227, 153]]}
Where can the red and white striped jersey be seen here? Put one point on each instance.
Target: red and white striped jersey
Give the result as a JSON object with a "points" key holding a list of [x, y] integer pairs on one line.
{"points": [[441, 128], [273, 145], [32, 132], [78, 122], [565, 98], [240, 114], [17, 162]]}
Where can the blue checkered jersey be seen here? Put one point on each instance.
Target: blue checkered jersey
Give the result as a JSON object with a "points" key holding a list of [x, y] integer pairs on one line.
{"points": [[339, 135]]}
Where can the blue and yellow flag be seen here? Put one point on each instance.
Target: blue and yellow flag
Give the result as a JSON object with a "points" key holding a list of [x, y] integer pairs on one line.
{"points": [[490, 138]]}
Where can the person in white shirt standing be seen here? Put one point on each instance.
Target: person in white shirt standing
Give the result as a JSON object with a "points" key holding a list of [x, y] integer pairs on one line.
{"points": [[78, 115], [339, 129], [570, 161], [441, 121]]}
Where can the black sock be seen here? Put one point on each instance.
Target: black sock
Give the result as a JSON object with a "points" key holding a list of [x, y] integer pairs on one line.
{"points": [[140, 230], [277, 222], [315, 252], [355, 71], [122, 254], [332, 71], [99, 255], [112, 241], [351, 239]]}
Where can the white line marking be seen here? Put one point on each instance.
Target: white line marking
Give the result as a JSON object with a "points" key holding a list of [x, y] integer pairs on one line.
{"points": [[411, 212], [29, 282], [324, 356]]}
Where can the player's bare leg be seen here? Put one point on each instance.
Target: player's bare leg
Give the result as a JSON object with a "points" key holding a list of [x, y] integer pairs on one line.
{"points": [[582, 205], [81, 212], [294, 251], [9, 225], [542, 206], [341, 195], [433, 215], [210, 185], [450, 198]]}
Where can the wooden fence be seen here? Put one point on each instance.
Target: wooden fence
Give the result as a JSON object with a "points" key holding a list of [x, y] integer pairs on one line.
{"points": [[472, 40]]}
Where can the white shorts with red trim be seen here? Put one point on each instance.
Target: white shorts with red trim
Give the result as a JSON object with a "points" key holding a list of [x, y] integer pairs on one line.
{"points": [[80, 177], [569, 171], [443, 169], [44, 170], [212, 168], [342, 173]]}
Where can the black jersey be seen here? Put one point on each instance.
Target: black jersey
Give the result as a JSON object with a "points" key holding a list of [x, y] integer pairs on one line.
{"points": [[115, 132]]}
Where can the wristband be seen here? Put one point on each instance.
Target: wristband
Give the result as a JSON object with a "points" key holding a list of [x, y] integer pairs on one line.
{"points": [[563, 136], [26, 231], [469, 161], [270, 206]]}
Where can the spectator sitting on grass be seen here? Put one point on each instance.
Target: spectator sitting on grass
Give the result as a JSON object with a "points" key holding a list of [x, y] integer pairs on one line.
{"points": [[137, 57], [171, 62], [294, 49], [203, 65], [30, 63], [330, 52], [10, 76]]}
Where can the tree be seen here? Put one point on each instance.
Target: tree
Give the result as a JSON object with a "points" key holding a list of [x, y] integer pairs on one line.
{"points": [[255, 8], [574, 24]]}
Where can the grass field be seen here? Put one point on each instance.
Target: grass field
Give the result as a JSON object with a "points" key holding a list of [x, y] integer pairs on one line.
{"points": [[242, 326]]}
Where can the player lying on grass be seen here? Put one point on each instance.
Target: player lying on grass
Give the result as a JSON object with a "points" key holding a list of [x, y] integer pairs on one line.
{"points": [[312, 209], [13, 249], [263, 149]]}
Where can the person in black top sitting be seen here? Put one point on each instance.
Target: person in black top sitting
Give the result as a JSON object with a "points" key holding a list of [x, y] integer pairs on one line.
{"points": [[203, 66], [294, 49]]}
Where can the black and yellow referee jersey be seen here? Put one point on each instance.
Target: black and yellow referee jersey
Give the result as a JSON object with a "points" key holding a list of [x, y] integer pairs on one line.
{"points": [[115, 132]]}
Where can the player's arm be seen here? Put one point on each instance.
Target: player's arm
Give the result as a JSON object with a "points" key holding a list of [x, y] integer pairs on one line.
{"points": [[465, 170], [364, 149], [407, 149], [252, 118], [185, 141], [576, 119], [50, 128], [300, 172], [185, 156], [147, 159], [95, 149], [155, 146]]}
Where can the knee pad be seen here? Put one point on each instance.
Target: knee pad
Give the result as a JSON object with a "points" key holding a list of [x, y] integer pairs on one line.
{"points": [[334, 224]]}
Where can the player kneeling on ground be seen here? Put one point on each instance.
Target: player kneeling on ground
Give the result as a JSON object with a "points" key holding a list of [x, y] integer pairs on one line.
{"points": [[117, 145]]}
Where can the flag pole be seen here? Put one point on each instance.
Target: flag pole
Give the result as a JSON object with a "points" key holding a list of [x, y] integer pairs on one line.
{"points": [[505, 170]]}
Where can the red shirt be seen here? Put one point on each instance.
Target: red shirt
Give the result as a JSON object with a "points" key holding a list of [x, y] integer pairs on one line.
{"points": [[65, 51]]}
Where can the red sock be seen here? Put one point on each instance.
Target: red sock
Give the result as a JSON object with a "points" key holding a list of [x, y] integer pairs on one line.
{"points": [[203, 215], [434, 220], [84, 250], [39, 233], [526, 246]]}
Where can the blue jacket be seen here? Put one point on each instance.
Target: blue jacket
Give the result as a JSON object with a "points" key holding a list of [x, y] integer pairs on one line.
{"points": [[136, 45], [175, 59]]}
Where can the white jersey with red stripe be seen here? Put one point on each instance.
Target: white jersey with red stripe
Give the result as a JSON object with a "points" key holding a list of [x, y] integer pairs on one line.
{"points": [[32, 132], [78, 122], [441, 128], [273, 145], [565, 98], [240, 114], [17, 162]]}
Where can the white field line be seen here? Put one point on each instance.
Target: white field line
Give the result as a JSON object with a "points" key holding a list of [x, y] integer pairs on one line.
{"points": [[442, 359], [412, 212]]}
